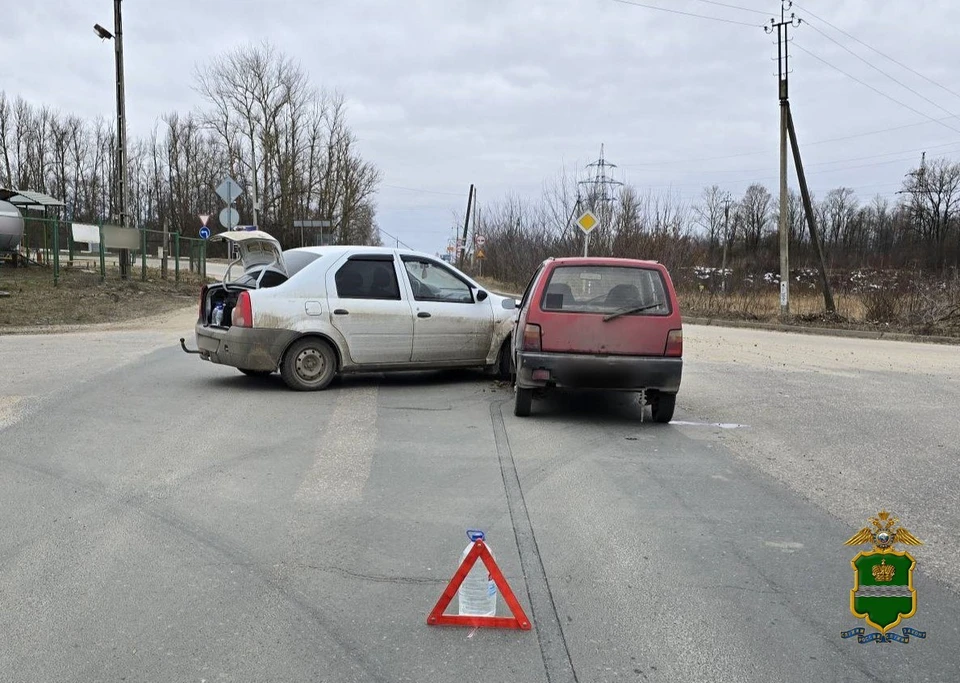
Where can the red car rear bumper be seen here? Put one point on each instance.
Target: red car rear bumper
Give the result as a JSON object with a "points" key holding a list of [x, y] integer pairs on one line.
{"points": [[579, 371]]}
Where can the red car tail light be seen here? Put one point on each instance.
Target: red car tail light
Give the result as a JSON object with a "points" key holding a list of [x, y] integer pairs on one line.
{"points": [[243, 312], [531, 337], [674, 344]]}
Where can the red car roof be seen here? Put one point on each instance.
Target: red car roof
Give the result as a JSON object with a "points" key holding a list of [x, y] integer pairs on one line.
{"points": [[601, 261]]}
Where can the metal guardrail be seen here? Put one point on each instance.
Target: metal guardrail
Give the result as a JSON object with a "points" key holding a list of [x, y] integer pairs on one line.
{"points": [[46, 242]]}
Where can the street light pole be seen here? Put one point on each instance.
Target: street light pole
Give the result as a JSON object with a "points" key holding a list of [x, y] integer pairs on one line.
{"points": [[121, 134], [122, 184]]}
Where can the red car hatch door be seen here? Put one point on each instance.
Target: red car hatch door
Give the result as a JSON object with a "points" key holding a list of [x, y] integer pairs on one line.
{"points": [[605, 309]]}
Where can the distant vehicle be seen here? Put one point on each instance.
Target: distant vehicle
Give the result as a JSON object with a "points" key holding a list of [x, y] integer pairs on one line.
{"points": [[315, 312], [600, 323], [11, 226]]}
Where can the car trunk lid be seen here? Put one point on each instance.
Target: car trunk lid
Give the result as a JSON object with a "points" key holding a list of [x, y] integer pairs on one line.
{"points": [[255, 248]]}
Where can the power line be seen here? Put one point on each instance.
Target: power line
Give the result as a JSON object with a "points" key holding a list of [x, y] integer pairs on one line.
{"points": [[686, 14], [745, 9], [417, 189], [817, 142], [831, 161], [877, 68], [765, 151], [396, 239], [879, 92], [885, 56]]}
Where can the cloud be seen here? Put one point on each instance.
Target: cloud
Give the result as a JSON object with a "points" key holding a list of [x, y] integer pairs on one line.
{"points": [[503, 93]]}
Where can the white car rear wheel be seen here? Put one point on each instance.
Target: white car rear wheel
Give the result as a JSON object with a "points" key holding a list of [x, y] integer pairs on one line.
{"points": [[309, 365]]}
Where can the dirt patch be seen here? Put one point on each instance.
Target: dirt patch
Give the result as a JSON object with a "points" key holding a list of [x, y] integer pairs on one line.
{"points": [[81, 299]]}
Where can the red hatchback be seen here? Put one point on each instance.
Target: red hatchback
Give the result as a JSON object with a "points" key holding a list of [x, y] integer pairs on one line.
{"points": [[600, 323]]}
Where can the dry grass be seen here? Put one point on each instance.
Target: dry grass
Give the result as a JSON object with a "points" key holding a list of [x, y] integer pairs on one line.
{"points": [[764, 305], [81, 298], [871, 309]]}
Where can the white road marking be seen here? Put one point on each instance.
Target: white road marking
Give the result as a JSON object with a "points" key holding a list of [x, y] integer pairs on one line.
{"points": [[721, 425], [345, 450], [784, 546]]}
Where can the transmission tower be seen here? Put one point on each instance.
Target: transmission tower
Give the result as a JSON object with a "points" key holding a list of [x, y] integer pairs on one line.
{"points": [[596, 194], [599, 189]]}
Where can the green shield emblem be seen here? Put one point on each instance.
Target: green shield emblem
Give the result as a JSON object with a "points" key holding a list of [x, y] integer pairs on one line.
{"points": [[883, 591]]}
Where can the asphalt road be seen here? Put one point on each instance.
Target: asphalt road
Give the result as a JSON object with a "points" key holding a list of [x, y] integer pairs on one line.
{"points": [[164, 519]]}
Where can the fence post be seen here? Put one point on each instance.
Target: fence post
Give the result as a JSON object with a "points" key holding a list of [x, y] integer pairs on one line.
{"points": [[70, 243], [176, 257], [143, 255], [56, 253], [103, 264]]}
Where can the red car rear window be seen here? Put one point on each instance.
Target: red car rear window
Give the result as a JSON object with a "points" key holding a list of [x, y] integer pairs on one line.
{"points": [[605, 289]]}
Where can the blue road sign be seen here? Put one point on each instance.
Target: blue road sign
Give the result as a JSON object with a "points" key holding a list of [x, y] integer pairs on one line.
{"points": [[204, 232]]}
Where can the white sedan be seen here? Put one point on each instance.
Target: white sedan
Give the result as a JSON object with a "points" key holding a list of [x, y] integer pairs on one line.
{"points": [[314, 312]]}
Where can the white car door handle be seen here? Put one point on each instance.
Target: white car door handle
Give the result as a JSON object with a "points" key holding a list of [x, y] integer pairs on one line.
{"points": [[423, 314]]}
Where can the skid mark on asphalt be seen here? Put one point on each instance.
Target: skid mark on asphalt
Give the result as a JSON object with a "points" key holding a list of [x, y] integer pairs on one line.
{"points": [[558, 664], [345, 449]]}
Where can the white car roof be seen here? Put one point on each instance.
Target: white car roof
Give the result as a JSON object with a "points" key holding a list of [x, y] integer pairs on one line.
{"points": [[345, 248], [360, 249]]}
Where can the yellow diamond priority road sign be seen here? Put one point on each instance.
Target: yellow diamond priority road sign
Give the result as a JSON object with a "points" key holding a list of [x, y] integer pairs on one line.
{"points": [[587, 222]]}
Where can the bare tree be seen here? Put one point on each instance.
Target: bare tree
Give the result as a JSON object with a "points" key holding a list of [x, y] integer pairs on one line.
{"points": [[839, 210], [934, 189], [709, 213], [7, 178], [755, 213]]}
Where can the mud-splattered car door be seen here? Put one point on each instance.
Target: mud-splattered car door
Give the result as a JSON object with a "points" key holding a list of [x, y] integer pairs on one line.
{"points": [[369, 308]]}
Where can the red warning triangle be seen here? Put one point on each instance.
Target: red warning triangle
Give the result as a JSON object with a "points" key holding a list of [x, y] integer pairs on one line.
{"points": [[479, 551]]}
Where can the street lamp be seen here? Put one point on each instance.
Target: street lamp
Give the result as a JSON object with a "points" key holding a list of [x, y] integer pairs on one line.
{"points": [[124, 218]]}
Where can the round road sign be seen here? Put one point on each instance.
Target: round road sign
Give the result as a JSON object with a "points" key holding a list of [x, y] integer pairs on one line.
{"points": [[229, 217], [204, 232]]}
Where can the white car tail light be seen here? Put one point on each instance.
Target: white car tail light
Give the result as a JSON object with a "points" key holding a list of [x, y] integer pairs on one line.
{"points": [[243, 312]]}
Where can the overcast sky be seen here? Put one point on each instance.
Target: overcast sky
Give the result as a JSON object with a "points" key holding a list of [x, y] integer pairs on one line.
{"points": [[505, 94]]}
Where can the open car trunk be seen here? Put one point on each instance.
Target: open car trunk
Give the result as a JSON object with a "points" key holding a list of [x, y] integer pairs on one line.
{"points": [[259, 265]]}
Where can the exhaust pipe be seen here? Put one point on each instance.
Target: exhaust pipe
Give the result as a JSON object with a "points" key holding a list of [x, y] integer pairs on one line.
{"points": [[183, 345]]}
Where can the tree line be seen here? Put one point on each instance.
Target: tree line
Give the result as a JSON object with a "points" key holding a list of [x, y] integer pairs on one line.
{"points": [[919, 231], [286, 142]]}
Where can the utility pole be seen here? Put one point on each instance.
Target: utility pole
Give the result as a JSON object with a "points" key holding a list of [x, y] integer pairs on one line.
{"points": [[461, 257], [811, 217], [121, 135], [783, 71], [256, 187], [726, 241], [121, 188]]}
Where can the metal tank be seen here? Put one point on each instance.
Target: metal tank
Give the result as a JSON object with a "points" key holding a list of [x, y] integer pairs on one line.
{"points": [[11, 226]]}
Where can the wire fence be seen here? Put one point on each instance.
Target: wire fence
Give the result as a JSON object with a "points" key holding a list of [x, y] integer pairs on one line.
{"points": [[55, 244]]}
